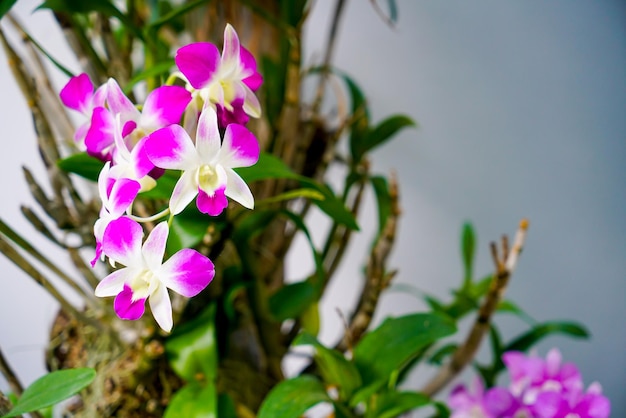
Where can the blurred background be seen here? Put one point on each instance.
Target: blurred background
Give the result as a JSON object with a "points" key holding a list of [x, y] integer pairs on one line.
{"points": [[521, 112]]}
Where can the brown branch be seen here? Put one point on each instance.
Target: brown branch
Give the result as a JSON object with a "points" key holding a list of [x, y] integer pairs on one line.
{"points": [[5, 404], [377, 276], [504, 267], [14, 383]]}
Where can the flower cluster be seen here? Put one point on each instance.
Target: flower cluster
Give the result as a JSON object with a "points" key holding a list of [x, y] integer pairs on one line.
{"points": [[539, 389], [178, 128]]}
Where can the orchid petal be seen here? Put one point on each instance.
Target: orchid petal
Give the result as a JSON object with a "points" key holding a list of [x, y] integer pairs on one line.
{"points": [[171, 147], [140, 160], [238, 190], [240, 147], [230, 53], [254, 79], [164, 106], [77, 93], [198, 62], [113, 284], [101, 132], [208, 136], [161, 307], [127, 308], [122, 195], [122, 241], [185, 190], [213, 204], [187, 272], [154, 247], [251, 104], [119, 103]]}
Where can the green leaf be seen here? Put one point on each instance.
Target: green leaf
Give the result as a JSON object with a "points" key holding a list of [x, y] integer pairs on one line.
{"points": [[442, 353], [292, 11], [334, 368], [468, 247], [193, 400], [292, 398], [511, 307], [5, 6], [152, 71], [192, 348], [272, 167], [307, 193], [292, 300], [383, 199], [538, 332], [396, 341], [51, 389], [174, 14], [82, 164], [187, 229], [384, 131], [392, 404]]}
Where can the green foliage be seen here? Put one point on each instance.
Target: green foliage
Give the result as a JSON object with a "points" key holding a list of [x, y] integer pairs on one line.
{"points": [[468, 248], [291, 300], [392, 345], [393, 403], [293, 397], [383, 199], [5, 6], [194, 400], [187, 229], [378, 135], [52, 389], [334, 368], [192, 348], [82, 164]]}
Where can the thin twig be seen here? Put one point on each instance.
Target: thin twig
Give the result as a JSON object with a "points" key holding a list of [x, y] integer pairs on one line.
{"points": [[377, 276], [465, 352], [14, 383]]}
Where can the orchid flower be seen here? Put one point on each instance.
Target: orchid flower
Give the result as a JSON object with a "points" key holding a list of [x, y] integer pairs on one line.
{"points": [[145, 276], [227, 82], [207, 167], [163, 106], [116, 196], [78, 94]]}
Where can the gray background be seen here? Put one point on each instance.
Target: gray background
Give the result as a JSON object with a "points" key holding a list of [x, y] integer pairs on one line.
{"points": [[521, 113]]}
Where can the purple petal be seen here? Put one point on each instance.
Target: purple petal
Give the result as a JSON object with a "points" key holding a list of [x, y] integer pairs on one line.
{"points": [[171, 147], [240, 147], [254, 80], [212, 204], [101, 132], [123, 193], [122, 241], [161, 307], [187, 272], [164, 106], [140, 160], [208, 137], [499, 402], [154, 247], [77, 93], [198, 62], [126, 308], [238, 116]]}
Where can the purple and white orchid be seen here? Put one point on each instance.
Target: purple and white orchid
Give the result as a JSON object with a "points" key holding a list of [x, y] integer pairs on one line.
{"points": [[145, 276], [227, 82], [79, 95], [207, 166]]}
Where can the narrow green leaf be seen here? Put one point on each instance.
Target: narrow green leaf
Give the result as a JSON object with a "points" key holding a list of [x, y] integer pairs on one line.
{"points": [[291, 300], [307, 193], [396, 341], [152, 71], [51, 389], [540, 331], [164, 187], [384, 131], [192, 348], [383, 199], [393, 11], [392, 404], [334, 368], [5, 6], [442, 354], [175, 13], [187, 229], [468, 247], [511, 307], [292, 398], [82, 164], [193, 400]]}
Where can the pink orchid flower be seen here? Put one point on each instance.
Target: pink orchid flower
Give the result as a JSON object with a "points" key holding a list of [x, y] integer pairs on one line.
{"points": [[207, 166], [227, 82], [163, 106], [145, 276], [78, 94]]}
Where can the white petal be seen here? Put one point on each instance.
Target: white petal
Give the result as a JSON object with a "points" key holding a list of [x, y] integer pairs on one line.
{"points": [[161, 307], [185, 190], [238, 190]]}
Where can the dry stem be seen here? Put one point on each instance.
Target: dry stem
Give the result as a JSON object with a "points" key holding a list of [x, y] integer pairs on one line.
{"points": [[466, 351]]}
